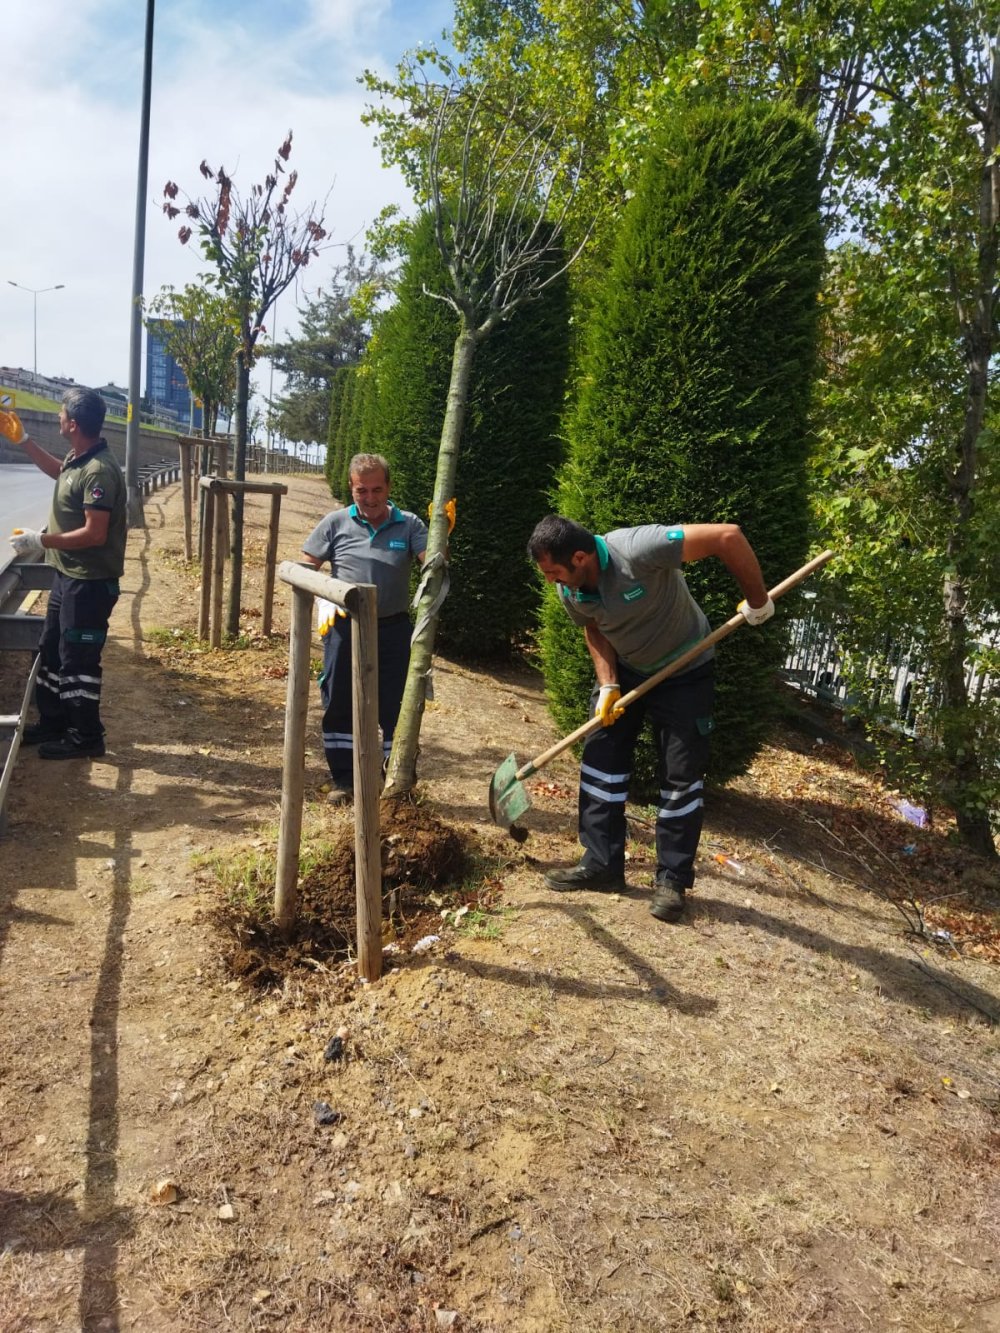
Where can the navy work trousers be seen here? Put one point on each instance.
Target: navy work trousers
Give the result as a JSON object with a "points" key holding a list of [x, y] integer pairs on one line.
{"points": [[335, 689], [68, 687], [680, 710]]}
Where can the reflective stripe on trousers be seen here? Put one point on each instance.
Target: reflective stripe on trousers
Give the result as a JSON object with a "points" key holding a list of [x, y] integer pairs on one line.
{"points": [[68, 687], [335, 690], [680, 711]]}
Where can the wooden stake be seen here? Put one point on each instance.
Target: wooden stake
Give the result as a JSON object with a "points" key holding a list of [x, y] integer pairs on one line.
{"points": [[293, 764], [219, 564], [270, 556], [367, 780], [185, 452], [207, 533]]}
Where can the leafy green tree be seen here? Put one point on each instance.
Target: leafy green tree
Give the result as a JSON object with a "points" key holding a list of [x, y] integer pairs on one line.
{"points": [[696, 381], [509, 447], [334, 333], [257, 248], [200, 329], [908, 468]]}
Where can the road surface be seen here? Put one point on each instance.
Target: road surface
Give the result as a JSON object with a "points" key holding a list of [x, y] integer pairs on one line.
{"points": [[25, 498]]}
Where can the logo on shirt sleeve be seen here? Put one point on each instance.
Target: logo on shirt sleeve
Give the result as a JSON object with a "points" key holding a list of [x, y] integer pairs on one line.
{"points": [[97, 492]]}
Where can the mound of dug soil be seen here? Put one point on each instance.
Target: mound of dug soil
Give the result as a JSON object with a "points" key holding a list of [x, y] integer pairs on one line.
{"points": [[420, 855]]}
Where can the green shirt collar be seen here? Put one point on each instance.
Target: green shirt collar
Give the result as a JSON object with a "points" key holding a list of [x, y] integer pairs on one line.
{"points": [[395, 516], [578, 594]]}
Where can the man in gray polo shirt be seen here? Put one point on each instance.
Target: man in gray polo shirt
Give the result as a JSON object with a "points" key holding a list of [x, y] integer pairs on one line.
{"points": [[369, 541], [628, 594]]}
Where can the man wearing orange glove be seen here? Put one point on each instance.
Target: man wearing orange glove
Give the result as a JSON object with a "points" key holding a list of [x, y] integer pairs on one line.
{"points": [[628, 594], [85, 541], [368, 541]]}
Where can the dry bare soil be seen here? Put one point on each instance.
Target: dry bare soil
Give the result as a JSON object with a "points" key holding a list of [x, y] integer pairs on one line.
{"points": [[780, 1114]]}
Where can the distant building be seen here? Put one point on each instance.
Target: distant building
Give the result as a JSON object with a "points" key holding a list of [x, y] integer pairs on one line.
{"points": [[115, 399], [166, 384]]}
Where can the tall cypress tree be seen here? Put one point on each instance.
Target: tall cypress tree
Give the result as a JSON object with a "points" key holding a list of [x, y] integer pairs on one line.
{"points": [[696, 381], [343, 377], [510, 445]]}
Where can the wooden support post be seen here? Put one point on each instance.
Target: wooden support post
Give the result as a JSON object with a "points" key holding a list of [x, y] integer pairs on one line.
{"points": [[293, 764], [367, 773], [186, 492], [208, 527], [270, 556], [219, 565], [201, 471]]}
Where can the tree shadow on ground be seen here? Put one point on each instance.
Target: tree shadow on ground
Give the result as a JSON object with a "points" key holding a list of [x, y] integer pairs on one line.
{"points": [[901, 979], [653, 987]]}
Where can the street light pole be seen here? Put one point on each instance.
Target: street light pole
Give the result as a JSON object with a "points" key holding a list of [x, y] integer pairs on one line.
{"points": [[135, 515], [36, 293]]}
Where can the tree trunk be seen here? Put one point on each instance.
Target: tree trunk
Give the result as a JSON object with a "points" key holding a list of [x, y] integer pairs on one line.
{"points": [[974, 827], [402, 773], [239, 474]]}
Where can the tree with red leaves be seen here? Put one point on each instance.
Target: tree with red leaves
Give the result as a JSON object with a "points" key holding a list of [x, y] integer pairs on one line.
{"points": [[256, 246]]}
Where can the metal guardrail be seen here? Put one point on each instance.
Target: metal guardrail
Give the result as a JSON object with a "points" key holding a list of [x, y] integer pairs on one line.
{"points": [[19, 632], [152, 478]]}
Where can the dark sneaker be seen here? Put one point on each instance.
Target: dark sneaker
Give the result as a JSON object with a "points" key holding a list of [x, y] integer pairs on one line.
{"points": [[583, 876], [668, 902], [339, 794], [66, 748], [36, 732]]}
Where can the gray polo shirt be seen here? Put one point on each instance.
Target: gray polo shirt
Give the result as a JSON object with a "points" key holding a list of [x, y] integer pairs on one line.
{"points": [[359, 553], [642, 605]]}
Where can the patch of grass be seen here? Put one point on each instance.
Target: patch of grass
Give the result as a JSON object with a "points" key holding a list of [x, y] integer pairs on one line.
{"points": [[34, 402], [175, 638], [246, 876], [482, 914], [138, 885], [480, 924]]}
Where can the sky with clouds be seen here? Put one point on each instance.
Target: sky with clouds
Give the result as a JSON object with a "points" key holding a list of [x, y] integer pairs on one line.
{"points": [[229, 81]]}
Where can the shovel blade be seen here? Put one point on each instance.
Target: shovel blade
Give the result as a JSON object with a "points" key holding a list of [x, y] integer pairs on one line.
{"points": [[508, 797]]}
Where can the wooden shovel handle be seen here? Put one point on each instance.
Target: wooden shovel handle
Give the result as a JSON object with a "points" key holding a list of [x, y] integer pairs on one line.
{"points": [[733, 623]]}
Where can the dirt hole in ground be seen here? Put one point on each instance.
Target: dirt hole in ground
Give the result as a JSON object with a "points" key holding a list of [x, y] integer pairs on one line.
{"points": [[429, 872]]}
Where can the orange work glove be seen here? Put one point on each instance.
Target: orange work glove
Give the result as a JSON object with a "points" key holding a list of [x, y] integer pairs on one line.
{"points": [[449, 510], [10, 425]]}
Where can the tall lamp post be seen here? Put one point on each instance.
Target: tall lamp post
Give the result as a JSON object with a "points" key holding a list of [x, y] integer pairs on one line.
{"points": [[36, 293]]}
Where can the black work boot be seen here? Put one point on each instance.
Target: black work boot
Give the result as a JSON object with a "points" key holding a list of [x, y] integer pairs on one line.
{"points": [[68, 748], [582, 876], [37, 732], [668, 900]]}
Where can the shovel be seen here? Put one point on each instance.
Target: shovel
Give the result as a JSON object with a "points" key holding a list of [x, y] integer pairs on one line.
{"points": [[509, 798]]}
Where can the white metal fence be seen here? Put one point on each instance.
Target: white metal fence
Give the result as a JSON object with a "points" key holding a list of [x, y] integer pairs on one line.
{"points": [[814, 665]]}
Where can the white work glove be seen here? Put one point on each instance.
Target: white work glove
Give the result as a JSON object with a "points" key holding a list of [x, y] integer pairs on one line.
{"points": [[756, 615], [607, 708], [27, 544]]}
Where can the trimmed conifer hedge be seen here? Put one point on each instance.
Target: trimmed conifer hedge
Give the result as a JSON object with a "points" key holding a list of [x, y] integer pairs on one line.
{"points": [[695, 388]]}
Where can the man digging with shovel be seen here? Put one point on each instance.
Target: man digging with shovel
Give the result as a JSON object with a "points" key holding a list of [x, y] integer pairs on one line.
{"points": [[626, 590]]}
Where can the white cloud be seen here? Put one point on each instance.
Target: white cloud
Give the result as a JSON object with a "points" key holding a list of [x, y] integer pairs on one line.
{"points": [[228, 83]]}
